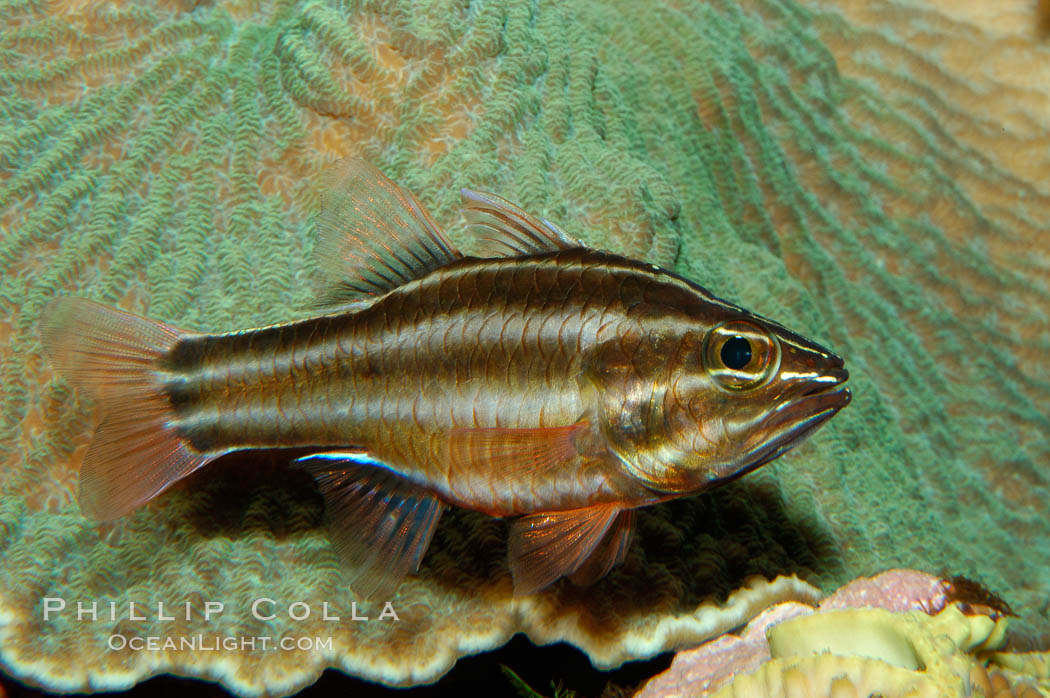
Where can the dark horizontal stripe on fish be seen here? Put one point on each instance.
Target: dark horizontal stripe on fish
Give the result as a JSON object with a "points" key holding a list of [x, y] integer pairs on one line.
{"points": [[510, 325]]}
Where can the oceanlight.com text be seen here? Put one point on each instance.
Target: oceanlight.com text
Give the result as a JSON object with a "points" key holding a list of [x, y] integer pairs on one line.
{"points": [[217, 643]]}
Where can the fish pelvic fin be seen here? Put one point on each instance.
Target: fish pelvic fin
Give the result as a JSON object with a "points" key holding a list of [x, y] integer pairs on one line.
{"points": [[373, 236], [504, 230], [609, 553], [544, 547], [381, 524], [113, 356]]}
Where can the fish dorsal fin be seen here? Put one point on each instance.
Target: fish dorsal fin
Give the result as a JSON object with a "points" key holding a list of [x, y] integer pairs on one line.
{"points": [[373, 236], [504, 230], [544, 547], [381, 523]]}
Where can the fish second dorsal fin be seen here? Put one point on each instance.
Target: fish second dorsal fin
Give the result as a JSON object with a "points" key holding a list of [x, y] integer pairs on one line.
{"points": [[507, 231], [373, 236]]}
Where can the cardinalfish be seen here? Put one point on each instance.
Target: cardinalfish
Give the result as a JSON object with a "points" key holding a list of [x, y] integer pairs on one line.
{"points": [[540, 379]]}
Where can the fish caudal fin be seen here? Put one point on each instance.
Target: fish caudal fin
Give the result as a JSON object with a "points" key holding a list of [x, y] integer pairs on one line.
{"points": [[544, 547], [381, 524], [113, 357]]}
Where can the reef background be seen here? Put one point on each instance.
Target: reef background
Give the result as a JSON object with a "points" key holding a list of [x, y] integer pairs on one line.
{"points": [[870, 173]]}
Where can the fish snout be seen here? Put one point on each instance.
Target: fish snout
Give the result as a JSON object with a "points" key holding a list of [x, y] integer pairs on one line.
{"points": [[829, 389], [828, 380]]}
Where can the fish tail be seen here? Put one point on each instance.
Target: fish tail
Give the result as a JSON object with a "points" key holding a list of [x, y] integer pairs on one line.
{"points": [[116, 359]]}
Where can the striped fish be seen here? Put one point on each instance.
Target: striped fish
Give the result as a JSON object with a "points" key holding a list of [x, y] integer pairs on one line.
{"points": [[541, 379]]}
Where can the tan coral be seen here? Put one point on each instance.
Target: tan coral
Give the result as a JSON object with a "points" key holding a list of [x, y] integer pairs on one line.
{"points": [[647, 636], [1004, 683], [1026, 669]]}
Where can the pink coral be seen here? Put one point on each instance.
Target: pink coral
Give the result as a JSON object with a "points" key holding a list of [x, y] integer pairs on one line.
{"points": [[712, 664]]}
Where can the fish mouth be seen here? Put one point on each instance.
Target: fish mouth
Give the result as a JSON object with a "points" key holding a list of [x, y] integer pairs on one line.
{"points": [[792, 422]]}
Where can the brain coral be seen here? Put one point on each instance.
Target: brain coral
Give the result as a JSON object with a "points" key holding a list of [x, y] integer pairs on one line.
{"points": [[873, 173]]}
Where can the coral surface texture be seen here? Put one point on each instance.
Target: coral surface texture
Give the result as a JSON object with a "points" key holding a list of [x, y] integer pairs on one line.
{"points": [[873, 173]]}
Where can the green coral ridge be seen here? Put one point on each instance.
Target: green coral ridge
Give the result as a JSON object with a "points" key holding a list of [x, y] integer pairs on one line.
{"points": [[161, 157]]}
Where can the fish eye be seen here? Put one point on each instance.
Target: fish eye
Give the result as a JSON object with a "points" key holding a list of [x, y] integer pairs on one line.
{"points": [[736, 352], [740, 354]]}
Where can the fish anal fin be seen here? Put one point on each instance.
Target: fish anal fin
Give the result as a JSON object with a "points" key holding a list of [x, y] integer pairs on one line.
{"points": [[544, 547], [509, 452], [504, 230], [381, 524], [609, 553], [115, 357], [373, 235]]}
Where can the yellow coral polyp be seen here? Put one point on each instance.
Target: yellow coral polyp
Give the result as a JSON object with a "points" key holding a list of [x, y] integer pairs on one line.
{"points": [[830, 676], [938, 652], [871, 633]]}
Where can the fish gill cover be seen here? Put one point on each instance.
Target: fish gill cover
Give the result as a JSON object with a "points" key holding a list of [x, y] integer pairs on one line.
{"points": [[871, 174]]}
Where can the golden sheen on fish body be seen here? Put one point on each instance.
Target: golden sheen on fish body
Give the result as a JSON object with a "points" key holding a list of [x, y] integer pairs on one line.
{"points": [[541, 379]]}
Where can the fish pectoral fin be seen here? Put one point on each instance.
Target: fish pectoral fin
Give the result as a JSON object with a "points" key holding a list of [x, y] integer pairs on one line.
{"points": [[544, 547], [515, 453], [373, 236], [609, 553], [381, 523], [504, 230]]}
